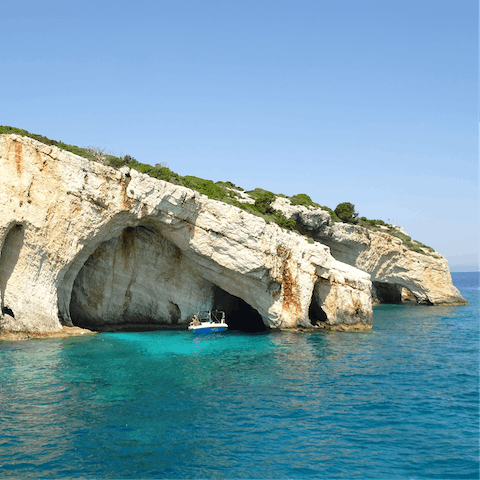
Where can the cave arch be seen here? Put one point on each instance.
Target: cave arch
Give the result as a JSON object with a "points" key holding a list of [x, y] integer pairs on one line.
{"points": [[321, 290], [141, 280], [132, 282], [315, 312], [239, 314], [69, 273], [9, 255], [388, 292], [394, 293]]}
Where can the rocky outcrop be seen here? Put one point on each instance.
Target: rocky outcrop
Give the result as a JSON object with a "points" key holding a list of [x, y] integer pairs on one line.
{"points": [[84, 244], [398, 274]]}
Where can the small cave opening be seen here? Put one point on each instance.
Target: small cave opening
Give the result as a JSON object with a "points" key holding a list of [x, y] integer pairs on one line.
{"points": [[388, 292], [9, 255], [239, 314], [316, 313], [425, 301], [7, 311]]}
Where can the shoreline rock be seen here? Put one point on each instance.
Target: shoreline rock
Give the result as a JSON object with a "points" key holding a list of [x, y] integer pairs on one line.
{"points": [[84, 244], [398, 273], [65, 332]]}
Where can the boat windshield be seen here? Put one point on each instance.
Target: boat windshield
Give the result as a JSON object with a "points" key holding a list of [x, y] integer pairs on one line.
{"points": [[215, 316], [204, 316], [218, 316]]}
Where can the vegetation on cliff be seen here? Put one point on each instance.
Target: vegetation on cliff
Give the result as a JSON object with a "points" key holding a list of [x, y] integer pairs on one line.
{"points": [[228, 192]]}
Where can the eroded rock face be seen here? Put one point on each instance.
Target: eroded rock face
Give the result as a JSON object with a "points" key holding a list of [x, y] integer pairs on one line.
{"points": [[85, 244], [138, 278], [399, 275]]}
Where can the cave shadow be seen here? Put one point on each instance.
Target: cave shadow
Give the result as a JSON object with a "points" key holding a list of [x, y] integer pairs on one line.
{"points": [[120, 222], [134, 316], [8, 260], [239, 314], [315, 312], [388, 293]]}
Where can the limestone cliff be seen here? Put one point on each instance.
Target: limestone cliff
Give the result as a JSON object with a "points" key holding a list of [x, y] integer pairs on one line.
{"points": [[398, 273], [85, 244]]}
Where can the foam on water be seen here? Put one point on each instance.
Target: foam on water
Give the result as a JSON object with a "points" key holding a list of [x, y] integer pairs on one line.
{"points": [[398, 402]]}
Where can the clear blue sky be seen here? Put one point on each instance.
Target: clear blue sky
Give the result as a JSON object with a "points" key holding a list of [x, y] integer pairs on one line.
{"points": [[374, 102]]}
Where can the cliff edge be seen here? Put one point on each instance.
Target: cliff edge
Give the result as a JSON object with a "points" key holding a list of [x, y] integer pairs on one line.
{"points": [[84, 244], [401, 270]]}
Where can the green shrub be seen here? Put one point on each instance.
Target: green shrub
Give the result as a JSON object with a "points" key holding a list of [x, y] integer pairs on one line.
{"points": [[257, 192], [303, 199], [333, 215], [132, 161], [207, 187], [228, 184], [346, 212], [82, 152], [221, 191], [115, 162], [282, 221]]}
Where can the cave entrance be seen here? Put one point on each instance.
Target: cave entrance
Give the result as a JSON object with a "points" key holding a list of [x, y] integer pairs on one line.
{"points": [[239, 314], [142, 281], [388, 292], [133, 282], [315, 312], [9, 255]]}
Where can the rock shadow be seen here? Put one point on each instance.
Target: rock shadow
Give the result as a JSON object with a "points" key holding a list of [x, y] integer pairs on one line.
{"points": [[239, 314], [130, 282], [387, 292], [315, 312], [8, 259]]}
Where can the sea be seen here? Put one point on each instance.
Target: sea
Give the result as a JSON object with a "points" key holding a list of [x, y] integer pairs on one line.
{"points": [[398, 402]]}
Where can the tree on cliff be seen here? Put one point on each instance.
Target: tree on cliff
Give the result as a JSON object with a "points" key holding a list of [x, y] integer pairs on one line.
{"points": [[346, 212], [263, 202]]}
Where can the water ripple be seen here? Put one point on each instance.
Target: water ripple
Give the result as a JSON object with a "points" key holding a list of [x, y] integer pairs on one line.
{"points": [[399, 402]]}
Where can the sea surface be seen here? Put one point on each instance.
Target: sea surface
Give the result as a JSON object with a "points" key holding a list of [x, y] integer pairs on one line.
{"points": [[401, 401]]}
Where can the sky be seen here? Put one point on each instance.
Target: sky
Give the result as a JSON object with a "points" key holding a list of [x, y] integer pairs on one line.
{"points": [[371, 102]]}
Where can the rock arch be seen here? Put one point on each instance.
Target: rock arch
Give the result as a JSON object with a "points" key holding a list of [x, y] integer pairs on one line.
{"points": [[387, 292], [142, 280], [72, 207], [240, 315], [316, 314], [11, 245], [337, 296], [397, 293], [89, 242]]}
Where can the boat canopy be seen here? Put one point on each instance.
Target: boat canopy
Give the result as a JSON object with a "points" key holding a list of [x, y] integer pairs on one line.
{"points": [[216, 316]]}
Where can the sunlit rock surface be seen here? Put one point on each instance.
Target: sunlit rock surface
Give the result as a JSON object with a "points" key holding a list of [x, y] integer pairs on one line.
{"points": [[85, 244], [398, 274]]}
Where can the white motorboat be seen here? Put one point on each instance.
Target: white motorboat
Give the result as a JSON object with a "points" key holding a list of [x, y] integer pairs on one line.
{"points": [[208, 322]]}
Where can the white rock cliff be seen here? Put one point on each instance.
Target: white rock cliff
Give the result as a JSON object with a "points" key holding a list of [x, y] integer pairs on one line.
{"points": [[398, 273], [85, 244]]}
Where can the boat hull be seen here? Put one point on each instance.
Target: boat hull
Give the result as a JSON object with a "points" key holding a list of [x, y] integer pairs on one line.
{"points": [[208, 328]]}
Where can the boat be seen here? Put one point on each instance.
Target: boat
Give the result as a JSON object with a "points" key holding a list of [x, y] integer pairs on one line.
{"points": [[208, 322]]}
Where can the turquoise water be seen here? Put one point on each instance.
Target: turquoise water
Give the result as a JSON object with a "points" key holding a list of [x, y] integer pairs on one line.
{"points": [[401, 401]]}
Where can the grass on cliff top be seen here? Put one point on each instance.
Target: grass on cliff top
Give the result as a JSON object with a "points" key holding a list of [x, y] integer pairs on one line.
{"points": [[82, 152], [226, 192], [217, 191]]}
